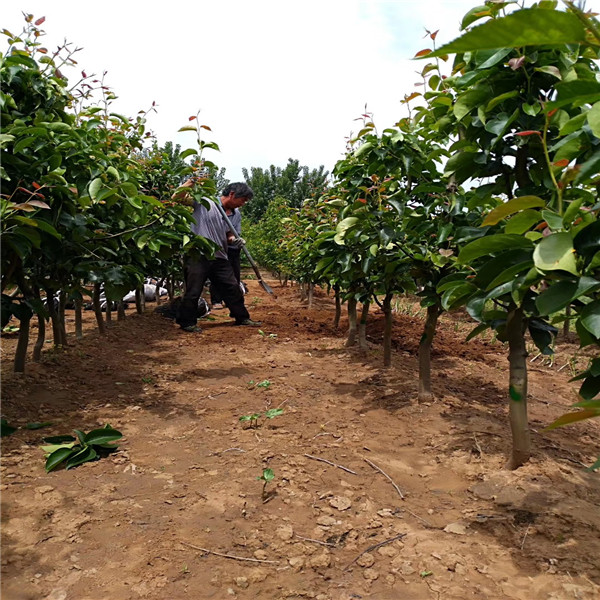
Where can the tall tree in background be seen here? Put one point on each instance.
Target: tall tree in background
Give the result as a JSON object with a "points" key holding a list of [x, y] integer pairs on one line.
{"points": [[295, 183]]}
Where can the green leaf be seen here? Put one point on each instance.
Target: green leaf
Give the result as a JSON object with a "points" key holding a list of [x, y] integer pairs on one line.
{"points": [[572, 125], [273, 412], [95, 187], [36, 425], [593, 119], [85, 455], [490, 245], [512, 206], [578, 90], [80, 436], [59, 439], [479, 329], [5, 428], [102, 436], [590, 389], [561, 293], [542, 335], [573, 417], [554, 220], [556, 253], [268, 474], [522, 221], [501, 98], [590, 318], [528, 27], [188, 152], [587, 240], [469, 100], [57, 457]]}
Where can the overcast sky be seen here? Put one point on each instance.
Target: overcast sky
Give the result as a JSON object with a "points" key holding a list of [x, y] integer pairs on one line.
{"points": [[273, 79]]}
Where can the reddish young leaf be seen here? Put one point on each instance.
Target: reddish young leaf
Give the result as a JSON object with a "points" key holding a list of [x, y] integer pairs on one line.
{"points": [[551, 113], [561, 163], [40, 21], [529, 132], [83, 74], [434, 34], [516, 63], [191, 118], [36, 186], [423, 52]]}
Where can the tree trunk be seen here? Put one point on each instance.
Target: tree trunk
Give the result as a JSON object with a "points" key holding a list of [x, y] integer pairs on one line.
{"points": [[158, 286], [21, 350], [140, 300], [517, 358], [433, 313], [352, 328], [120, 310], [362, 327], [108, 311], [566, 322], [387, 331], [302, 291], [79, 318], [310, 294], [53, 317], [338, 307], [97, 309], [62, 328], [41, 337]]}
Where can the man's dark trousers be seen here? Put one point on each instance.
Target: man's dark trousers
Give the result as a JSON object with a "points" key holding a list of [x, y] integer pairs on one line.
{"points": [[219, 271]]}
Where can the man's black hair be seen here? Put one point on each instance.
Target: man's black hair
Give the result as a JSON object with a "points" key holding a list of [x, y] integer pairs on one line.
{"points": [[240, 190]]}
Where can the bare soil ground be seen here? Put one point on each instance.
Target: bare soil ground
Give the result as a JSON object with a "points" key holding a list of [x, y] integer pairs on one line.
{"points": [[374, 495]]}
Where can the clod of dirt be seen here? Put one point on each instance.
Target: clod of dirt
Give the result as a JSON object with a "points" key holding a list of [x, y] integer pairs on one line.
{"points": [[340, 502], [457, 528]]}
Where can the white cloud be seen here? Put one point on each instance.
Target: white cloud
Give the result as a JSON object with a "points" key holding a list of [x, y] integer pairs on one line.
{"points": [[273, 80]]}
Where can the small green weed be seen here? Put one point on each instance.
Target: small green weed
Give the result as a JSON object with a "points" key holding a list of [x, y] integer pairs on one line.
{"points": [[267, 475], [148, 379], [253, 419]]}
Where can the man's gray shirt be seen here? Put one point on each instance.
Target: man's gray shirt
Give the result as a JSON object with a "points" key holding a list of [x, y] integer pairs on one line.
{"points": [[209, 223]]}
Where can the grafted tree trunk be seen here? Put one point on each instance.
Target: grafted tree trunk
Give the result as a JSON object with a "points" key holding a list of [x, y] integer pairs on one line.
{"points": [[517, 357], [566, 321], [338, 306], [51, 306], [352, 327], [97, 309], [362, 327], [302, 291], [433, 313], [23, 341], [120, 310], [79, 318], [310, 294], [108, 310], [158, 286], [62, 328], [140, 299], [41, 337], [387, 331]]}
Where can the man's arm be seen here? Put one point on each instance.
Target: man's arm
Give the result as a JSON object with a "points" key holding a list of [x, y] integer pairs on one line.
{"points": [[183, 194]]}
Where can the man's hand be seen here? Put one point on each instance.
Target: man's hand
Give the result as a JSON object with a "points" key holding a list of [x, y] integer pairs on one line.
{"points": [[237, 243]]}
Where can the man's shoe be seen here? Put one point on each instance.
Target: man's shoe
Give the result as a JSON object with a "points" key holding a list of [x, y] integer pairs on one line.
{"points": [[249, 323], [218, 306], [192, 329]]}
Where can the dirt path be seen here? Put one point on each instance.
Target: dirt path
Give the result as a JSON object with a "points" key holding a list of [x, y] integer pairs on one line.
{"points": [[178, 513]]}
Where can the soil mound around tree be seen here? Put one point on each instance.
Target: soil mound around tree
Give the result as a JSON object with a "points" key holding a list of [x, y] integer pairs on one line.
{"points": [[373, 494]]}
